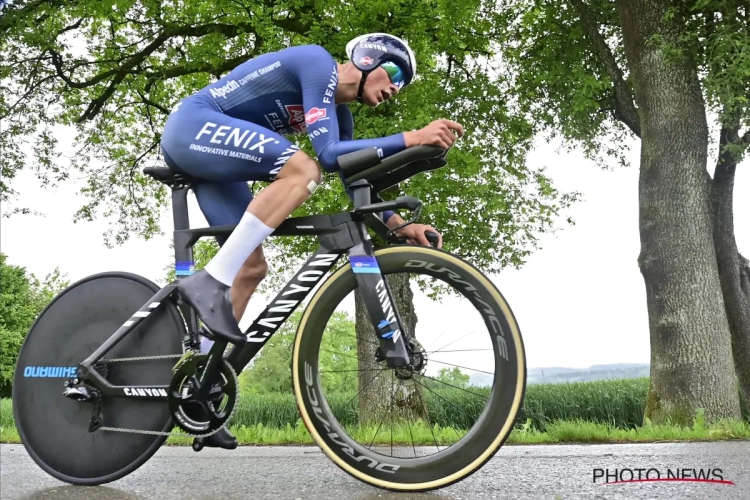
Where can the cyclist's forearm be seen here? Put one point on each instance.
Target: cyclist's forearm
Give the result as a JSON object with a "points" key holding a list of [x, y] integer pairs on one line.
{"points": [[394, 220]]}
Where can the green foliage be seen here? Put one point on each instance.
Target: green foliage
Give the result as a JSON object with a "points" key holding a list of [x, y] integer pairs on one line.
{"points": [[558, 81], [606, 411], [619, 403], [271, 369], [568, 74], [454, 377], [22, 298]]}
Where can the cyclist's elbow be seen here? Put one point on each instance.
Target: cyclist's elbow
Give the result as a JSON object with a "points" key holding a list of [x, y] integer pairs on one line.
{"points": [[327, 160]]}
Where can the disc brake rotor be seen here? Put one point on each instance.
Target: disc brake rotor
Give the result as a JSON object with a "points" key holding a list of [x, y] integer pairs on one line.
{"points": [[192, 415]]}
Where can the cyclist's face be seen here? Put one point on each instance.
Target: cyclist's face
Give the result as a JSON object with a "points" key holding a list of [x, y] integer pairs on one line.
{"points": [[379, 87]]}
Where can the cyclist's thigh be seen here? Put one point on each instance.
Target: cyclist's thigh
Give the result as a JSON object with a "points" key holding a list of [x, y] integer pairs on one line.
{"points": [[223, 203], [207, 144]]}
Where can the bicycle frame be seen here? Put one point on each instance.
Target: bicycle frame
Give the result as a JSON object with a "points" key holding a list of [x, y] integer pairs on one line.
{"points": [[338, 234]]}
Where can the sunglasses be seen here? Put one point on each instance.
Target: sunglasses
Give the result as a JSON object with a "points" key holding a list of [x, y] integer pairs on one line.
{"points": [[394, 73]]}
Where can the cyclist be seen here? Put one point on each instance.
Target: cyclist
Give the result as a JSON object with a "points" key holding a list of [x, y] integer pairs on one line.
{"points": [[234, 131]]}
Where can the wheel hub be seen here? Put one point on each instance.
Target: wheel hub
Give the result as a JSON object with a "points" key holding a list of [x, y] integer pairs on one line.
{"points": [[418, 363]]}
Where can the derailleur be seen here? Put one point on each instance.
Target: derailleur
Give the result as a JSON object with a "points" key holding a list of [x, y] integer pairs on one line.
{"points": [[86, 394], [82, 393], [76, 390]]}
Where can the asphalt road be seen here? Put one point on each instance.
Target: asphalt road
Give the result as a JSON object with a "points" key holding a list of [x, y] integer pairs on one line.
{"points": [[516, 472]]}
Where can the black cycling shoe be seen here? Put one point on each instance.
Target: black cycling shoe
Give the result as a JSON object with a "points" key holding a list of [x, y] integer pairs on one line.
{"points": [[211, 300], [221, 439]]}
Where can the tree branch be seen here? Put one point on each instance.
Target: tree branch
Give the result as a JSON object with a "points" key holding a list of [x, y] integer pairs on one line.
{"points": [[119, 74], [149, 102], [732, 145], [188, 69], [74, 26], [625, 110], [97, 104], [744, 141], [12, 12]]}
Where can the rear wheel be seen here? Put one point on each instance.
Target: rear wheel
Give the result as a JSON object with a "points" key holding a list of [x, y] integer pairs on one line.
{"points": [[55, 429], [441, 430]]}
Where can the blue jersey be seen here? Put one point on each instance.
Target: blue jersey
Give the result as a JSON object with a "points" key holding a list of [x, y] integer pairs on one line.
{"points": [[292, 91], [236, 129]]}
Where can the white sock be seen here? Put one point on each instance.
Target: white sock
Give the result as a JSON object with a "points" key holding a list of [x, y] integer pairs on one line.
{"points": [[246, 237]]}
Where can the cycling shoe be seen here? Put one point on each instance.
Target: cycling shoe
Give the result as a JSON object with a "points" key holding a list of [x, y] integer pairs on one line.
{"points": [[211, 300], [221, 439]]}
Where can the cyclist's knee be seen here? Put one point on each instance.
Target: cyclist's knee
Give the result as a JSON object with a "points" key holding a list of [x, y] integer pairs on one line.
{"points": [[303, 168]]}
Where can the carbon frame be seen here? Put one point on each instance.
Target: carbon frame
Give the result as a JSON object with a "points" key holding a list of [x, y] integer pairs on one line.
{"points": [[339, 234]]}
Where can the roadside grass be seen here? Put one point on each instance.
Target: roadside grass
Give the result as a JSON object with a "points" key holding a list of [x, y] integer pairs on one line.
{"points": [[420, 434]]}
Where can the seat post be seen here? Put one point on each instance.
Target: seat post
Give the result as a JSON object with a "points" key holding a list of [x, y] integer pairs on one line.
{"points": [[179, 207], [183, 250]]}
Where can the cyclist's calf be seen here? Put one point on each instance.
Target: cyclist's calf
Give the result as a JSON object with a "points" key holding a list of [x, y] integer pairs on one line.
{"points": [[252, 272]]}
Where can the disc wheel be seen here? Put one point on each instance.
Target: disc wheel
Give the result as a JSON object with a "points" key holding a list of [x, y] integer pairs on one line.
{"points": [[55, 429], [372, 464]]}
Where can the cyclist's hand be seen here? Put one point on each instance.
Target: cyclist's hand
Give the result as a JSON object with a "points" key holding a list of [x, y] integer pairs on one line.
{"points": [[416, 236], [440, 133]]}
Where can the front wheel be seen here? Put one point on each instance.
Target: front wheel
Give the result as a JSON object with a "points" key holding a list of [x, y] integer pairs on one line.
{"points": [[434, 410]]}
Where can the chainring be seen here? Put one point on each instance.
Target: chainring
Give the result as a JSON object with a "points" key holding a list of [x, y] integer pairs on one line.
{"points": [[187, 411]]}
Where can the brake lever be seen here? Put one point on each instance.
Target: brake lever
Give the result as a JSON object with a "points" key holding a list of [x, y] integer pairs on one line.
{"points": [[390, 233], [432, 237]]}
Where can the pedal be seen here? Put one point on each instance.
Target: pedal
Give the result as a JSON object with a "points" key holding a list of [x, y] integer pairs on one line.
{"points": [[197, 444]]}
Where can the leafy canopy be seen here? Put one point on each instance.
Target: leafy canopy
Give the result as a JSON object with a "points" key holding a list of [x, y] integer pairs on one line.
{"points": [[22, 298], [109, 71], [570, 78]]}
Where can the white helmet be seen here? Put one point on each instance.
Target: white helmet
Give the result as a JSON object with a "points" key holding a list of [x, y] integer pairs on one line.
{"points": [[368, 52]]}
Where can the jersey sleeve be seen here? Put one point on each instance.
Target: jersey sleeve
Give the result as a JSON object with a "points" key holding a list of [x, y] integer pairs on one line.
{"points": [[346, 133], [318, 78]]}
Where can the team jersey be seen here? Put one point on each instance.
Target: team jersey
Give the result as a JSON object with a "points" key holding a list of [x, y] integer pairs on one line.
{"points": [[292, 91]]}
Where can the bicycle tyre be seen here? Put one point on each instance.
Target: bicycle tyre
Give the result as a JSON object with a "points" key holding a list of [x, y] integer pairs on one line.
{"points": [[54, 429], [481, 442]]}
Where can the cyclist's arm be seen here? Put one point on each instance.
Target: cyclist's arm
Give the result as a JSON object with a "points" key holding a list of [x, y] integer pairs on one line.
{"points": [[346, 133]]}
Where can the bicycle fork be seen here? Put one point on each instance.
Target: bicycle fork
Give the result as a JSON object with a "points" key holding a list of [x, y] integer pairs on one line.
{"points": [[381, 308]]}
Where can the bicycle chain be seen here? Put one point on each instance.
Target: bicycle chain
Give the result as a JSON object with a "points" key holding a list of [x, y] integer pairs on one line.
{"points": [[160, 433], [142, 358]]}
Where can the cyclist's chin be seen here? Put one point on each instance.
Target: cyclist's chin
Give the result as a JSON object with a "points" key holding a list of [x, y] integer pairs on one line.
{"points": [[370, 99]]}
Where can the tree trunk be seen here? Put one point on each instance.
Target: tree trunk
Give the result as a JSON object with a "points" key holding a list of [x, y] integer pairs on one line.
{"points": [[691, 353], [745, 276], [736, 301], [380, 391]]}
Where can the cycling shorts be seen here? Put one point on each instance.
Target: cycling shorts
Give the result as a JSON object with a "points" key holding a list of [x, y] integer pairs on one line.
{"points": [[224, 153]]}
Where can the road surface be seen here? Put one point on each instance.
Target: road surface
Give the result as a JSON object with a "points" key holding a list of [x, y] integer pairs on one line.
{"points": [[301, 473]]}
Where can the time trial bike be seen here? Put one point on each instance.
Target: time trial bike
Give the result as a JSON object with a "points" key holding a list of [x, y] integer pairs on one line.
{"points": [[112, 366]]}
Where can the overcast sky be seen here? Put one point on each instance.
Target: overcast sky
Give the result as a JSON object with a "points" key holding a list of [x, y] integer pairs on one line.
{"points": [[580, 300]]}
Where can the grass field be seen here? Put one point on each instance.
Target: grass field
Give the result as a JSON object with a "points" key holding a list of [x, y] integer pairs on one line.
{"points": [[588, 412]]}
